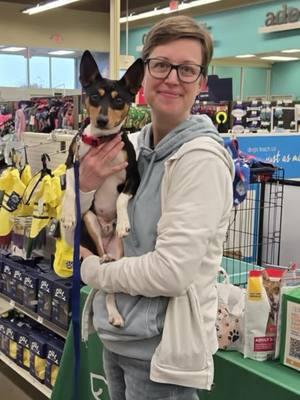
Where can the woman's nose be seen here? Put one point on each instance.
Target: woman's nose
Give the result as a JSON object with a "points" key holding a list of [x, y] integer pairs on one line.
{"points": [[172, 77]]}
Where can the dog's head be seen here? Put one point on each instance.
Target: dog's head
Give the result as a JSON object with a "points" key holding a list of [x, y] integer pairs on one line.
{"points": [[107, 101]]}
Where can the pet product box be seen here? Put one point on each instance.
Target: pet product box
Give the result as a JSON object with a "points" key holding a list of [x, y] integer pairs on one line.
{"points": [[38, 353], [3, 255], [10, 345], [290, 329], [54, 355], [18, 283], [3, 338], [45, 294], [8, 269], [23, 347], [61, 302], [31, 287]]}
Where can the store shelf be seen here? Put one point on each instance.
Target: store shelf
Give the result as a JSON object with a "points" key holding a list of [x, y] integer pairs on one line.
{"points": [[26, 375], [54, 328]]}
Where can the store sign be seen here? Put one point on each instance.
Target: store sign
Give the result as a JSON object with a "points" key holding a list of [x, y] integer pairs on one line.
{"points": [[284, 16]]}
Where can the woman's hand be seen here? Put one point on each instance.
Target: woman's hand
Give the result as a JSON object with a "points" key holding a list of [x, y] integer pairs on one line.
{"points": [[96, 165]]}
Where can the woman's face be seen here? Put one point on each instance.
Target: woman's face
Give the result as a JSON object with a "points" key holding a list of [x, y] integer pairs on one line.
{"points": [[169, 97]]}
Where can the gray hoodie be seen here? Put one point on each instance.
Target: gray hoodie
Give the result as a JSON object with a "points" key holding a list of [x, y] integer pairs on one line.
{"points": [[144, 316]]}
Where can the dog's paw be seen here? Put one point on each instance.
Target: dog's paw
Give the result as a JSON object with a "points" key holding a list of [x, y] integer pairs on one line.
{"points": [[116, 320], [123, 227], [68, 221]]}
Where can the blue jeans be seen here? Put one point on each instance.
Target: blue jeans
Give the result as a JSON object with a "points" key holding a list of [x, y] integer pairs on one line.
{"points": [[129, 379]]}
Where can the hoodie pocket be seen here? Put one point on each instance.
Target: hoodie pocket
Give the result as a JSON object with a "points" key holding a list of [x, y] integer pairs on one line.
{"points": [[183, 345]]}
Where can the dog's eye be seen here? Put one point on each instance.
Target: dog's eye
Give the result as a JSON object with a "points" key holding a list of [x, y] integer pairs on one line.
{"points": [[95, 97], [119, 101]]}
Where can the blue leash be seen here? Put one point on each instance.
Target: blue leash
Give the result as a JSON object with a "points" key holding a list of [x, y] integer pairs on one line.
{"points": [[76, 286]]}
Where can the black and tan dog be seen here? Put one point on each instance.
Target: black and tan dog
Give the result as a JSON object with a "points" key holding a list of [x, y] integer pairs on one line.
{"points": [[107, 102]]}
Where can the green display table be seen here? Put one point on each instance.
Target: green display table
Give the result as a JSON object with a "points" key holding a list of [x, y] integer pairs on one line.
{"points": [[236, 378]]}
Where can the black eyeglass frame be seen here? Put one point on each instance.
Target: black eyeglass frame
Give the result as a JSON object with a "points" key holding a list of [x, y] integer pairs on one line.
{"points": [[176, 67]]}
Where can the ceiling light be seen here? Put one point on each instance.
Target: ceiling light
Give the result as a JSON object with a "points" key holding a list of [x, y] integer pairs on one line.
{"points": [[47, 6], [291, 51], [13, 49], [280, 58], [245, 56], [61, 52], [166, 10]]}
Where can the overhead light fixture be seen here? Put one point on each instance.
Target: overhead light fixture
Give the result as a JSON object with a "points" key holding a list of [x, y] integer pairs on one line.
{"points": [[246, 56], [13, 49], [166, 10], [280, 58], [291, 51], [61, 52], [47, 6]]}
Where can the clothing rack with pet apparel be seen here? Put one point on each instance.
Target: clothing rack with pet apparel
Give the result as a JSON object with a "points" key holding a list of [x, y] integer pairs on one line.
{"points": [[56, 146]]}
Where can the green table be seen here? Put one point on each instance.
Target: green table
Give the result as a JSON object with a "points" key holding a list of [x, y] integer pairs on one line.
{"points": [[237, 378]]}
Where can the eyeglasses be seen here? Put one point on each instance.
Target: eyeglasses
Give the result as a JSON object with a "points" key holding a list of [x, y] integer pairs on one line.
{"points": [[161, 69]]}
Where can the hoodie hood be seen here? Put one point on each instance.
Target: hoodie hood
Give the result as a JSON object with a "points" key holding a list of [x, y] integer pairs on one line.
{"points": [[145, 207], [189, 129]]}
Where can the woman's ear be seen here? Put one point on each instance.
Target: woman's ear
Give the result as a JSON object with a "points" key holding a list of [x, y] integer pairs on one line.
{"points": [[203, 84]]}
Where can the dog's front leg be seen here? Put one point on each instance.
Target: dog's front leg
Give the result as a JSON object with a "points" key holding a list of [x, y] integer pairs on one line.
{"points": [[114, 317], [123, 225], [68, 214]]}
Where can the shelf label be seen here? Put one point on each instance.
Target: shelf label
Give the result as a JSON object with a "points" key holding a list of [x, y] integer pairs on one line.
{"points": [[12, 303], [40, 319]]}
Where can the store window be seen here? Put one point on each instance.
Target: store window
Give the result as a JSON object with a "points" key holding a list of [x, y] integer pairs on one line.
{"points": [[39, 72], [13, 70], [63, 73]]}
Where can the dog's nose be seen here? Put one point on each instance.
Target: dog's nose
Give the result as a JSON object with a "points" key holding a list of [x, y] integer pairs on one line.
{"points": [[102, 121]]}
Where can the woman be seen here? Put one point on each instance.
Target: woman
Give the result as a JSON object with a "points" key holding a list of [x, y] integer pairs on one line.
{"points": [[165, 284]]}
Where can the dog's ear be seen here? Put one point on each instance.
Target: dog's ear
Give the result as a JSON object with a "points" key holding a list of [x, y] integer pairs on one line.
{"points": [[89, 71], [133, 77]]}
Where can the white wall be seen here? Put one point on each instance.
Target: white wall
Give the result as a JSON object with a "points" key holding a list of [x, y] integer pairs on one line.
{"points": [[78, 29]]}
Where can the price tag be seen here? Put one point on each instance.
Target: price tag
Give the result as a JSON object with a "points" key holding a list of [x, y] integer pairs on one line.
{"points": [[12, 303], [40, 319]]}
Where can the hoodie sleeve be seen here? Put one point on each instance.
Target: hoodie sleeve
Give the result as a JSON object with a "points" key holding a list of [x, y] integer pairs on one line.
{"points": [[197, 198]]}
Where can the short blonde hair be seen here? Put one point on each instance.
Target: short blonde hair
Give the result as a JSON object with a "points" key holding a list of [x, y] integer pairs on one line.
{"points": [[179, 27]]}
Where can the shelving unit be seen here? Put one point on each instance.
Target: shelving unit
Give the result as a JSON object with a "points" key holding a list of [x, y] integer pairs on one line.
{"points": [[26, 375], [54, 328]]}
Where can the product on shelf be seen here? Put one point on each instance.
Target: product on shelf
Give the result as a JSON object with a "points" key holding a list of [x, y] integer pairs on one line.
{"points": [[54, 354]]}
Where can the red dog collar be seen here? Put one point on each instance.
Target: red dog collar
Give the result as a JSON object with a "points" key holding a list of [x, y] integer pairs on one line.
{"points": [[96, 141]]}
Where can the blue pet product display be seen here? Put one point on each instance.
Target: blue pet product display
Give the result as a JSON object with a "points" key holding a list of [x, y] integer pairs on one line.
{"points": [[31, 346]]}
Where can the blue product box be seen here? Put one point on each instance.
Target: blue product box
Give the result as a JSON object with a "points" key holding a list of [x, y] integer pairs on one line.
{"points": [[3, 255], [45, 293], [3, 337], [23, 347], [54, 355], [38, 353], [10, 345], [7, 274], [31, 288], [61, 302], [17, 282]]}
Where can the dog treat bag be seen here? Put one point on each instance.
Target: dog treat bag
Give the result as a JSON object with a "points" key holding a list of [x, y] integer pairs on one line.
{"points": [[261, 313]]}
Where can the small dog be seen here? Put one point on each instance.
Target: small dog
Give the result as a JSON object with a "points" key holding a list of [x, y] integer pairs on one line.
{"points": [[107, 102]]}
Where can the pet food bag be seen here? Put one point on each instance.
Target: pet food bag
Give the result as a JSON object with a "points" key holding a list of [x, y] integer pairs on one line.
{"points": [[290, 337], [261, 313], [230, 318], [289, 281]]}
